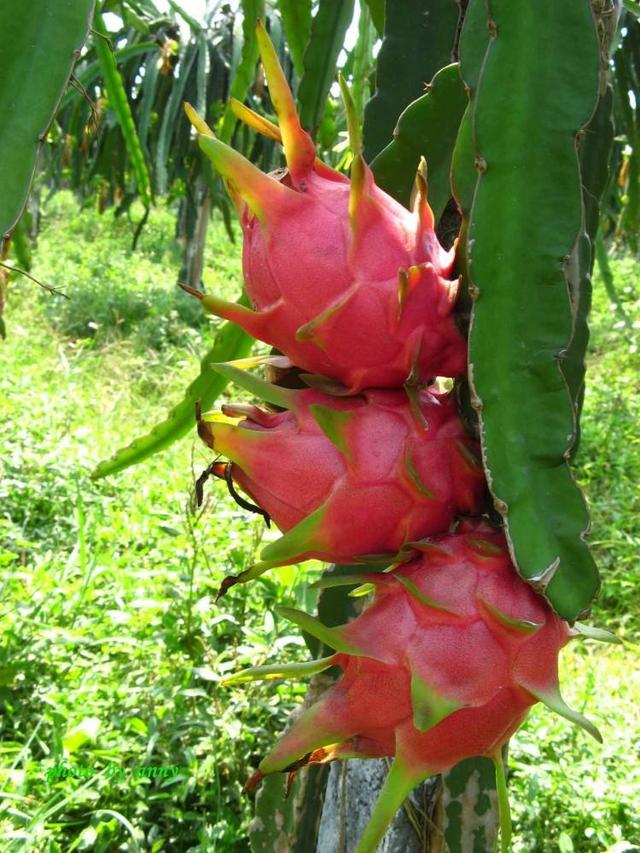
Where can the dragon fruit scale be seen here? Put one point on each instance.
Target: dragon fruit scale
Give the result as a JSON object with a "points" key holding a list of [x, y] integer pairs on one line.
{"points": [[346, 478], [443, 665], [344, 280]]}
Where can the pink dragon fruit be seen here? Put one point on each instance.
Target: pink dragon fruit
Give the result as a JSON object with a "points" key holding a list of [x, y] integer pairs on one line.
{"points": [[345, 281], [347, 477], [443, 665]]}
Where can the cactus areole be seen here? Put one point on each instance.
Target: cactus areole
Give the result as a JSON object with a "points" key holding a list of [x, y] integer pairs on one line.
{"points": [[369, 463]]}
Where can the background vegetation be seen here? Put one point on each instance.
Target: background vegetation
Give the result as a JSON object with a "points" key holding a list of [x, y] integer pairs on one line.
{"points": [[112, 644]]}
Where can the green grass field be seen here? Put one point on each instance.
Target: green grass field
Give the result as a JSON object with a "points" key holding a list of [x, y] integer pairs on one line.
{"points": [[112, 645]]}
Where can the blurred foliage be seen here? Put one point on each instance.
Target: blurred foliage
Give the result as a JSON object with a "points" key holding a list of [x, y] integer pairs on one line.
{"points": [[620, 215]]}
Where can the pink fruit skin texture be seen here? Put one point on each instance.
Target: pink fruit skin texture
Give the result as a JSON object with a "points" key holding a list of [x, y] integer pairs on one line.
{"points": [[478, 657], [354, 476], [344, 280], [305, 263]]}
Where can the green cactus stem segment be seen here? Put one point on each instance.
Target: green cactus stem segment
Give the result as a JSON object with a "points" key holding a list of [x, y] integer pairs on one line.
{"points": [[427, 126], [270, 672], [519, 182]]}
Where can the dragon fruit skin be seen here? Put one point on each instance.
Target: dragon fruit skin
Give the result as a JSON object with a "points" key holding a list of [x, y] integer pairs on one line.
{"points": [[349, 477], [345, 281], [443, 665]]}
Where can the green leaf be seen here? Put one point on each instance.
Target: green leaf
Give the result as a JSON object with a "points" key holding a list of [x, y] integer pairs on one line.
{"points": [[419, 37], [119, 102], [328, 29], [37, 53], [78, 736], [595, 155], [195, 26], [252, 11], [427, 128], [376, 9], [231, 342], [296, 17], [626, 81], [148, 96], [528, 103], [92, 72], [171, 114]]}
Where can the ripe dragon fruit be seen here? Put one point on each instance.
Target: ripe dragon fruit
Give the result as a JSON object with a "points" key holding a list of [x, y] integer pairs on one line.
{"points": [[442, 665], [345, 281], [347, 477]]}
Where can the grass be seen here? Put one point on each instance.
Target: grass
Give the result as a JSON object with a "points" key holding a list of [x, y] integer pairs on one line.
{"points": [[112, 646]]}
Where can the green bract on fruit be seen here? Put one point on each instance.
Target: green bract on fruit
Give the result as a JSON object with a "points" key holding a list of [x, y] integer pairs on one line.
{"points": [[345, 281], [348, 477], [442, 665]]}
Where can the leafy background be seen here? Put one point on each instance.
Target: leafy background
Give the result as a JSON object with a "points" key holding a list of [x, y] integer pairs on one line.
{"points": [[112, 646]]}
